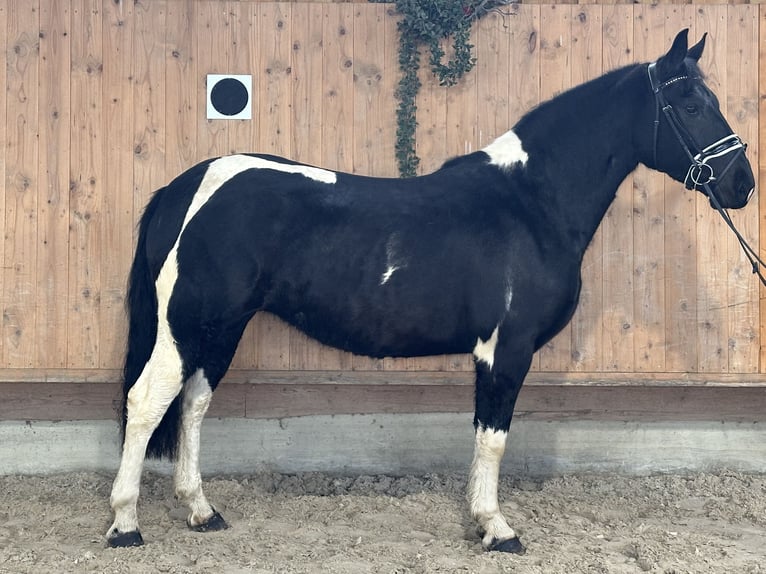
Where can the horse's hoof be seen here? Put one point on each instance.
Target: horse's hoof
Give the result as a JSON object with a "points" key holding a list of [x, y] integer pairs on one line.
{"points": [[512, 545], [215, 522], [119, 539]]}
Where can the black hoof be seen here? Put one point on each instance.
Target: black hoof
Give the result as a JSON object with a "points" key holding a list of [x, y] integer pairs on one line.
{"points": [[215, 522], [512, 545], [125, 539]]}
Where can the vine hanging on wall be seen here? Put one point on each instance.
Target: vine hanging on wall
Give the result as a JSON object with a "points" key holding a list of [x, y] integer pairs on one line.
{"points": [[428, 23]]}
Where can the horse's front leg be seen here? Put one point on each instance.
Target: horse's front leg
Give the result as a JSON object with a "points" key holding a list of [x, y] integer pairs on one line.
{"points": [[500, 372]]}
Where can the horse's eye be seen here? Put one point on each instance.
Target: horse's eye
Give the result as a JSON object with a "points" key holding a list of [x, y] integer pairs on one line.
{"points": [[692, 109]]}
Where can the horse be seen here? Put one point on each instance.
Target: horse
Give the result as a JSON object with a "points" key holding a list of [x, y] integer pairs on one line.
{"points": [[482, 256]]}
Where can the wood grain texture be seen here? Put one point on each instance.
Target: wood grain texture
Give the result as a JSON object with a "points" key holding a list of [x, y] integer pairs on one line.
{"points": [[103, 102]]}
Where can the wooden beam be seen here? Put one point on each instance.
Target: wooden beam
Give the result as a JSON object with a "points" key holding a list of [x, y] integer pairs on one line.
{"points": [[100, 401]]}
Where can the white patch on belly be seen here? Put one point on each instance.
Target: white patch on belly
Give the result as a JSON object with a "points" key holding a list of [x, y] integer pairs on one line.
{"points": [[506, 151], [485, 350]]}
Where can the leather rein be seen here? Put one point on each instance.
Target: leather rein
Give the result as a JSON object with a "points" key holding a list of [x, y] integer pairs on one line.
{"points": [[701, 174]]}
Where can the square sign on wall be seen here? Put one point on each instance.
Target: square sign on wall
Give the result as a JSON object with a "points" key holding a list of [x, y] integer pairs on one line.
{"points": [[229, 97]]}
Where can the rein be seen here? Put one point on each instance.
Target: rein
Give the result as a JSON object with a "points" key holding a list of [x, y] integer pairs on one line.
{"points": [[701, 173]]}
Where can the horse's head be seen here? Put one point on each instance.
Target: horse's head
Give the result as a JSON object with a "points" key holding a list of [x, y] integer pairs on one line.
{"points": [[691, 141]]}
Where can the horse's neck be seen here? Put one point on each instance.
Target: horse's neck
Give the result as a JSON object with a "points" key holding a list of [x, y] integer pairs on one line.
{"points": [[580, 150]]}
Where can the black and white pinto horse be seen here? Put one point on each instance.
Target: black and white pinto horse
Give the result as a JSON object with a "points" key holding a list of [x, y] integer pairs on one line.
{"points": [[483, 256]]}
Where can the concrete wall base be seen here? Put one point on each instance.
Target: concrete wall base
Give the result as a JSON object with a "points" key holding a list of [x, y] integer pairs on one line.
{"points": [[401, 444]]}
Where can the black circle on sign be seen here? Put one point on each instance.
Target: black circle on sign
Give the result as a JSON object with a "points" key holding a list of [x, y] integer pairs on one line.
{"points": [[228, 96]]}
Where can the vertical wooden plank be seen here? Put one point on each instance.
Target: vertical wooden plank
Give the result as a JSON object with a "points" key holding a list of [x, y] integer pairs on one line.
{"points": [[307, 73], [555, 78], [20, 289], [183, 103], [617, 225], [462, 110], [492, 78], [86, 184], [742, 113], [761, 175], [712, 266], [5, 45], [648, 226], [430, 137], [116, 223], [337, 115], [525, 64], [681, 352], [275, 72], [275, 49], [586, 325], [369, 121], [386, 163], [150, 47], [308, 80], [523, 61], [53, 175], [213, 41], [243, 59]]}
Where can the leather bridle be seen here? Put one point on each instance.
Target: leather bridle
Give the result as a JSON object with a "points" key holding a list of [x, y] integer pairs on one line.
{"points": [[701, 173]]}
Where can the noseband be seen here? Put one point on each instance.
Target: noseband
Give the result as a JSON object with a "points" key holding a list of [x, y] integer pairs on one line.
{"points": [[701, 174]]}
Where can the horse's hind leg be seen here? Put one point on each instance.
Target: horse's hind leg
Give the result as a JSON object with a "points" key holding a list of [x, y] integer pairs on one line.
{"points": [[159, 383], [500, 372], [187, 477], [217, 348]]}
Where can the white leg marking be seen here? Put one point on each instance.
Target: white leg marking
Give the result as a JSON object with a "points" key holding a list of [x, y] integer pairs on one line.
{"points": [[506, 151], [148, 400], [188, 480], [485, 350], [482, 486]]}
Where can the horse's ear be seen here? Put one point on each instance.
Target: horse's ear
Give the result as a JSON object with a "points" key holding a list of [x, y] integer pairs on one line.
{"points": [[669, 64], [695, 52]]}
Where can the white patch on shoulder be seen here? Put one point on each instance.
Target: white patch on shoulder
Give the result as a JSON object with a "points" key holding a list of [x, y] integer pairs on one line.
{"points": [[484, 351], [506, 151]]}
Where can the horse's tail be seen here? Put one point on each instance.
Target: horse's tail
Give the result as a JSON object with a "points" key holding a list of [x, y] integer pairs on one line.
{"points": [[141, 303]]}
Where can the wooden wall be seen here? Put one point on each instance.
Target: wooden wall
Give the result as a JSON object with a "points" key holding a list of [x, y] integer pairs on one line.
{"points": [[103, 101]]}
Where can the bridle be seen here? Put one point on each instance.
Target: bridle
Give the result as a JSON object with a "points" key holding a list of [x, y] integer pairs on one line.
{"points": [[701, 173]]}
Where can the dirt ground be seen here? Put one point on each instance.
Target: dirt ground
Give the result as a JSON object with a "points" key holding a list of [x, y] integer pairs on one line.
{"points": [[319, 523]]}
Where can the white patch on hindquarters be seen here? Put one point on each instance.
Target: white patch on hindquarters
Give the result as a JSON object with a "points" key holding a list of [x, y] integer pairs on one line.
{"points": [[482, 486], [506, 151], [394, 261], [485, 350]]}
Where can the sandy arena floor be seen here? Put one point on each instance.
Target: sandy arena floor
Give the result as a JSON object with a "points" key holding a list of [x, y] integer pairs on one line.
{"points": [[712, 523]]}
